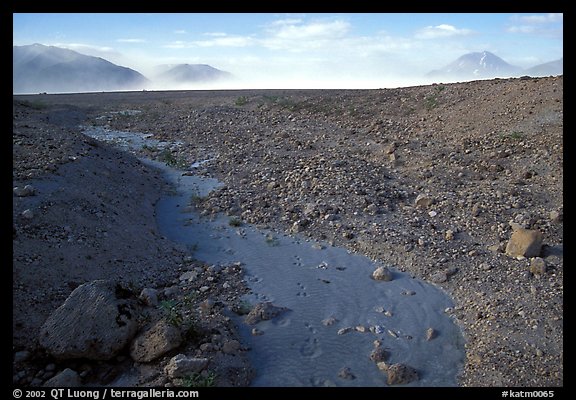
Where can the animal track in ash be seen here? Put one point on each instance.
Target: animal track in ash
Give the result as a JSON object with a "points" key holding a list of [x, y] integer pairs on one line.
{"points": [[298, 261], [310, 327], [310, 348], [302, 291]]}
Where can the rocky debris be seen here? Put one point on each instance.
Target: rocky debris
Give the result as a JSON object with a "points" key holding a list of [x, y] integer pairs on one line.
{"points": [[538, 266], [382, 274], [346, 373], [27, 190], [181, 366], [263, 312], [524, 243], [155, 341], [66, 378], [331, 150], [96, 321], [398, 374]]}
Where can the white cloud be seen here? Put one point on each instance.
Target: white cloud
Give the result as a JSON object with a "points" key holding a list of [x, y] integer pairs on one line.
{"points": [[540, 24], [131, 40], [180, 31], [540, 19], [296, 36], [442, 31], [224, 41], [81, 47], [177, 44], [295, 30]]}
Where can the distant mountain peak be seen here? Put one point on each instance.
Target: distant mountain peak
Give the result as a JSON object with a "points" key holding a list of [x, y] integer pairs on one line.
{"points": [[40, 68], [193, 73], [477, 65]]}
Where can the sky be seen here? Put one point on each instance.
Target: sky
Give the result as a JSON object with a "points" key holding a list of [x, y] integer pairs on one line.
{"points": [[347, 50]]}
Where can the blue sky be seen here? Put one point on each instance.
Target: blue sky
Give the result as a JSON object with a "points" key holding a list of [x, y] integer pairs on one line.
{"points": [[322, 50]]}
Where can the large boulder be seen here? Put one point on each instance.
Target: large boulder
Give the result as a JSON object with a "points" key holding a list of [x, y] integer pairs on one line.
{"points": [[96, 321]]}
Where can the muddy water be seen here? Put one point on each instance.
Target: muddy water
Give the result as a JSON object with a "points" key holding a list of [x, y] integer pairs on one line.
{"points": [[317, 283]]}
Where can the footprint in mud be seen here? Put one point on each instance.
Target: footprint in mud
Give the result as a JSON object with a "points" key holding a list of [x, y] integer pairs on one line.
{"points": [[310, 327], [302, 290], [310, 348]]}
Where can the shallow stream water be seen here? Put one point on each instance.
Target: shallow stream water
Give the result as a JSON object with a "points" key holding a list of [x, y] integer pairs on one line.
{"points": [[316, 282]]}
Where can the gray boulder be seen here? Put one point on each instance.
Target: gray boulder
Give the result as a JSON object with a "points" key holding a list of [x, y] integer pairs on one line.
{"points": [[96, 321]]}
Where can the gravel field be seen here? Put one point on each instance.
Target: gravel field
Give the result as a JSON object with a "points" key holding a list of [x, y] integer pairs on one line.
{"points": [[430, 180]]}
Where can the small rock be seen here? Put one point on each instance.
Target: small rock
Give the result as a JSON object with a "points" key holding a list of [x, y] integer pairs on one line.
{"points": [[439, 277], [188, 276], [382, 274], [171, 291], [159, 339], [431, 334], [329, 321], [231, 347], [346, 373], [204, 289], [180, 366], [206, 347], [263, 312], [398, 374], [66, 378], [432, 214], [207, 305], [379, 354], [408, 293], [449, 235], [361, 329], [149, 297], [21, 356], [525, 242], [423, 200], [257, 332], [343, 331], [25, 191], [538, 266], [556, 216], [28, 214]]}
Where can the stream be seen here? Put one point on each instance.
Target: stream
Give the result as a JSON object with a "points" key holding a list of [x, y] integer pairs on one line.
{"points": [[335, 309]]}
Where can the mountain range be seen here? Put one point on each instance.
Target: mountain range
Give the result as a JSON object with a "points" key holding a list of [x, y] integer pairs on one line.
{"points": [[485, 65], [38, 68]]}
